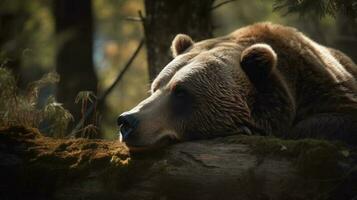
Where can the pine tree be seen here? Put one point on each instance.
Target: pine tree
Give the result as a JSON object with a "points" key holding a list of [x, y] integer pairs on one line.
{"points": [[319, 7]]}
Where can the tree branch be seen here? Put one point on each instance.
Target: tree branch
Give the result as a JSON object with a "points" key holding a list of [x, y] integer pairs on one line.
{"points": [[103, 96], [131, 18], [221, 4]]}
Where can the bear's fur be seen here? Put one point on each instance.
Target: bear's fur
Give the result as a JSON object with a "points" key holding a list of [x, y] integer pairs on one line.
{"points": [[264, 78]]}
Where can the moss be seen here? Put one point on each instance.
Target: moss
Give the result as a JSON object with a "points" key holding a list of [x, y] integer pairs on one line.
{"points": [[49, 163], [91, 145], [63, 146], [19, 133]]}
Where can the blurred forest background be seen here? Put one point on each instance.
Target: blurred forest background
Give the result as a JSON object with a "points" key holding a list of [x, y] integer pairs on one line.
{"points": [[89, 42]]}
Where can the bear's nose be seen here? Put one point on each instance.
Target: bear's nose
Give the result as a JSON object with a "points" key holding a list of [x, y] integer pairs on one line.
{"points": [[127, 123]]}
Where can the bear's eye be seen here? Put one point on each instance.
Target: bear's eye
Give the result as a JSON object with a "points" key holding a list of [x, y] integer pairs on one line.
{"points": [[179, 92], [181, 101]]}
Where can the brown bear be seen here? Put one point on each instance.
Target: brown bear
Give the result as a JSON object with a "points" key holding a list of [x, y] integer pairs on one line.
{"points": [[261, 79]]}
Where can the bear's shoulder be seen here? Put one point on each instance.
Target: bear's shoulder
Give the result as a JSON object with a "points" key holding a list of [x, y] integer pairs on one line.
{"points": [[264, 29]]}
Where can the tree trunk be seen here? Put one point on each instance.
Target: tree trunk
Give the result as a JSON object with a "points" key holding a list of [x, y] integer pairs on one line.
{"points": [[235, 167], [164, 19], [74, 32], [12, 40], [347, 35]]}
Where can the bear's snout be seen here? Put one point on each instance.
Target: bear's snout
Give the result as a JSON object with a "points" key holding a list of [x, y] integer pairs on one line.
{"points": [[128, 124]]}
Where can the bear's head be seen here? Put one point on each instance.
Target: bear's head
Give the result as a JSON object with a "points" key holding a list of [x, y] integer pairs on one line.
{"points": [[205, 91]]}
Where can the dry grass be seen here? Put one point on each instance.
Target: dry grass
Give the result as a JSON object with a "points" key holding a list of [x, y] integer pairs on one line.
{"points": [[20, 108]]}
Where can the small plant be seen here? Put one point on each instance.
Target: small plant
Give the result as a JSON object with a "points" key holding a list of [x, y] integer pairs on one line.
{"points": [[88, 100], [20, 108], [57, 116]]}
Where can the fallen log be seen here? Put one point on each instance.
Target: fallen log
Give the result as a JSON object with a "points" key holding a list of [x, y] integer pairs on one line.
{"points": [[235, 167]]}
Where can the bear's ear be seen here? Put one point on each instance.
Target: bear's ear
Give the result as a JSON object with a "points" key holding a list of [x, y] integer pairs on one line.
{"points": [[258, 62], [180, 44]]}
